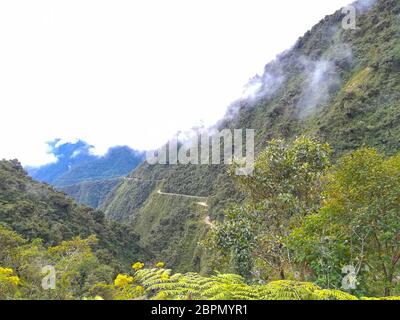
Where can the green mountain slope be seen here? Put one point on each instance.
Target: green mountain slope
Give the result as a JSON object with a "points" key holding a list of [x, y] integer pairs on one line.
{"points": [[90, 183], [342, 86], [91, 193], [36, 210], [179, 217]]}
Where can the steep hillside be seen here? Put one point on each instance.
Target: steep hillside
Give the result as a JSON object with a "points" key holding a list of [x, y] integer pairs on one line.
{"points": [[36, 210], [91, 193], [342, 86], [180, 217]]}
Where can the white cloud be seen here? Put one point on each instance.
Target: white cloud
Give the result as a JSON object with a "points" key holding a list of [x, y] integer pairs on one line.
{"points": [[132, 72]]}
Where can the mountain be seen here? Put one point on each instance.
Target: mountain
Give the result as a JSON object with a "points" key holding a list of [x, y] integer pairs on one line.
{"points": [[340, 85], [117, 162], [67, 155], [84, 176], [36, 210], [91, 193]]}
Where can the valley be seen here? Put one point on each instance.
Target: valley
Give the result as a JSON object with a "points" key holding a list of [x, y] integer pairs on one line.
{"points": [[321, 207]]}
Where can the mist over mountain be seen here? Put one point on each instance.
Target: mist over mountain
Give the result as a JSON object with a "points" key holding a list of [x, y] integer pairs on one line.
{"points": [[323, 196], [68, 155], [75, 163], [340, 85]]}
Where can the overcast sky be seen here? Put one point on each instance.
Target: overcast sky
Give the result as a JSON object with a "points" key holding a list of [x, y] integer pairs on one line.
{"points": [[132, 72]]}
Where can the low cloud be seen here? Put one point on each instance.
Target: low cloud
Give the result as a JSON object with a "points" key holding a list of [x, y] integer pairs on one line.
{"points": [[321, 80]]}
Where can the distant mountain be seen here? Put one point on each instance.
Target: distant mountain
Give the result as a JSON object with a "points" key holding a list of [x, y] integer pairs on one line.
{"points": [[340, 85], [118, 162], [84, 176], [68, 155]]}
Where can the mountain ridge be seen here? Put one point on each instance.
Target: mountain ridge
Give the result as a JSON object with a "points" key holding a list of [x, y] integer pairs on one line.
{"points": [[86, 177], [342, 86]]}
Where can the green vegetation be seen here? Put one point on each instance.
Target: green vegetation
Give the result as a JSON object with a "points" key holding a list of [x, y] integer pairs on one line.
{"points": [[355, 104], [91, 193], [318, 219], [77, 267], [303, 219], [180, 218], [156, 283], [358, 224], [285, 187], [162, 284], [36, 210], [307, 230]]}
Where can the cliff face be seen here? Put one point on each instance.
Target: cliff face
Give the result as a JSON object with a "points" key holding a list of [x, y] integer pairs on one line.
{"points": [[342, 86]]}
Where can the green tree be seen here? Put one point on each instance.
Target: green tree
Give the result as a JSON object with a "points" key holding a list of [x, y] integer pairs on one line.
{"points": [[359, 224], [8, 284], [284, 188], [78, 269], [21, 262]]}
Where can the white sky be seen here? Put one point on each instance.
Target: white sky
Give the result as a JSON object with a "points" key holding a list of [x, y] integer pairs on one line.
{"points": [[132, 72]]}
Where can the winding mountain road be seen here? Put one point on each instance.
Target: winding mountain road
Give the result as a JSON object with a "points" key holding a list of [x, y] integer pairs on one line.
{"points": [[139, 179], [182, 195], [206, 220]]}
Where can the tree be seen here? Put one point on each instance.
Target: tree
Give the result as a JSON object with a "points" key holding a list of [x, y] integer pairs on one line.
{"points": [[8, 283], [283, 190], [78, 269], [358, 226], [21, 264]]}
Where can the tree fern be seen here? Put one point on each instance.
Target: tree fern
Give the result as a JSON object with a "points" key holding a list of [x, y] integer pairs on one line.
{"points": [[161, 284]]}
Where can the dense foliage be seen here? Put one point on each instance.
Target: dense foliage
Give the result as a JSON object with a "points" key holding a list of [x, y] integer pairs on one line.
{"points": [[80, 275], [341, 86], [304, 219], [318, 219], [159, 283], [307, 230], [77, 267], [358, 224], [91, 193], [284, 188], [36, 210]]}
